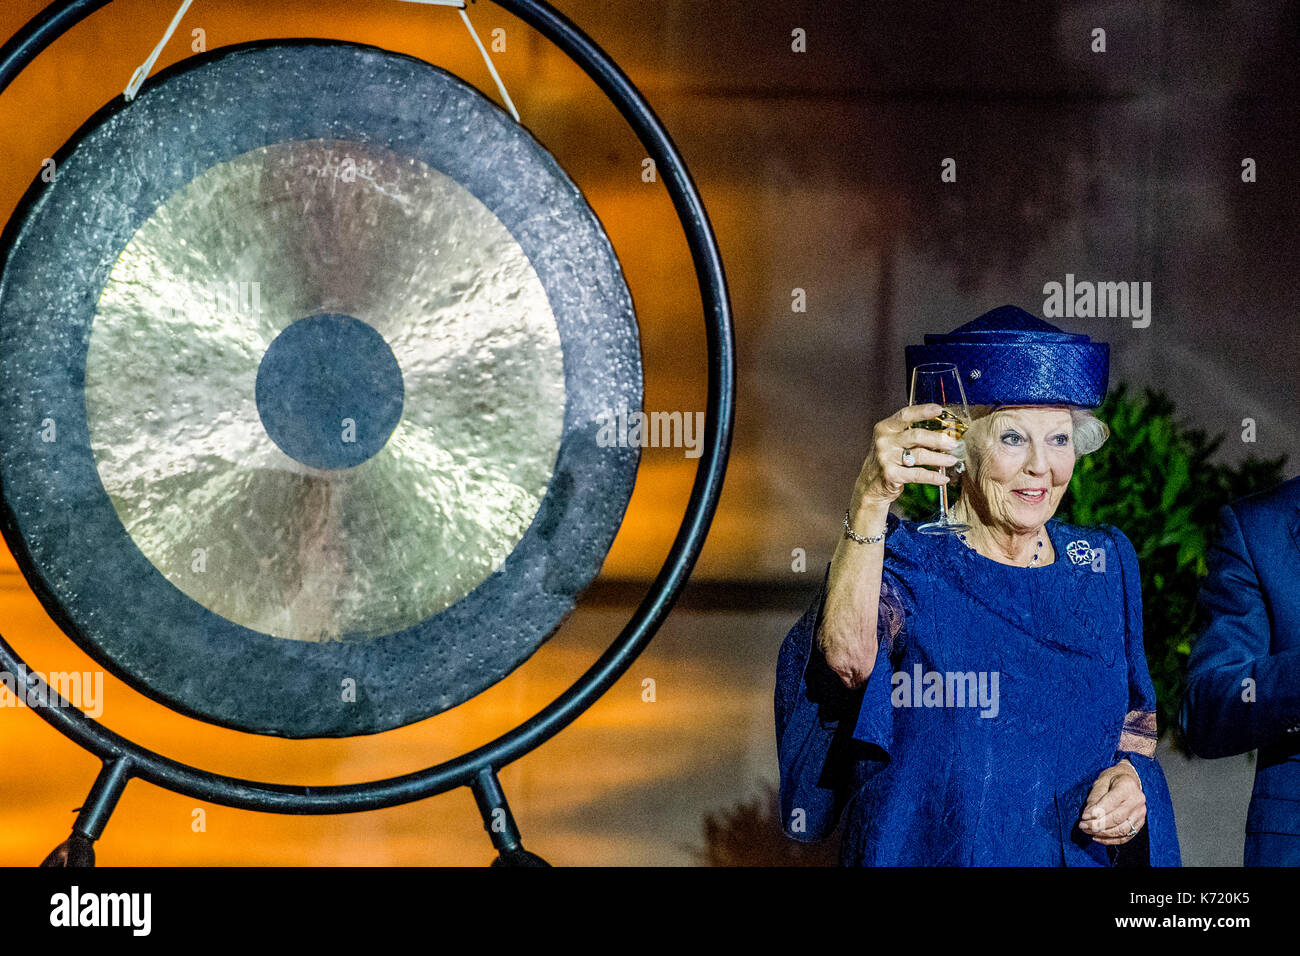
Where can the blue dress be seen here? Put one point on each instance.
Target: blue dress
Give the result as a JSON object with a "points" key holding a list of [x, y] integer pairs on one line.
{"points": [[999, 695]]}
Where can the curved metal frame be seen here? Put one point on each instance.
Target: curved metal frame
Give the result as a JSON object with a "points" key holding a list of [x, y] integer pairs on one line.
{"points": [[124, 759]]}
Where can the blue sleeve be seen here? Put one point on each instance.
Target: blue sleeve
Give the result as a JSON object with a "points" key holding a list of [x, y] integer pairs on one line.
{"points": [[816, 716], [1138, 739], [1239, 696]]}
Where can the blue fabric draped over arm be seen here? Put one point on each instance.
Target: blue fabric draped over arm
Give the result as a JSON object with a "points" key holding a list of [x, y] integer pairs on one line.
{"points": [[1137, 742], [821, 764]]}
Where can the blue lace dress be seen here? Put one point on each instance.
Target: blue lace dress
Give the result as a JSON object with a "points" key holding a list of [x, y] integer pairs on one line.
{"points": [[998, 696]]}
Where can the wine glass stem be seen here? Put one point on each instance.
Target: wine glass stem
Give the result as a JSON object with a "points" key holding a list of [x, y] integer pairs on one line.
{"points": [[943, 499]]}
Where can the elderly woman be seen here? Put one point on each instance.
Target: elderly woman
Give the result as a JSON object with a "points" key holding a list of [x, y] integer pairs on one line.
{"points": [[982, 698]]}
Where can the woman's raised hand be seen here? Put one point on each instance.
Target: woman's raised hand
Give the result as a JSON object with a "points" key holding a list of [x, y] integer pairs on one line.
{"points": [[884, 475], [847, 633]]}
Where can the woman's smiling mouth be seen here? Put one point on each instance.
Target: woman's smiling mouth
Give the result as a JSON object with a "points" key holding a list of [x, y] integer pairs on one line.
{"points": [[1033, 495]]}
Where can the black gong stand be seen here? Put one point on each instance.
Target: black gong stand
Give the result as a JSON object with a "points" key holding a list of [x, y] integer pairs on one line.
{"points": [[124, 759]]}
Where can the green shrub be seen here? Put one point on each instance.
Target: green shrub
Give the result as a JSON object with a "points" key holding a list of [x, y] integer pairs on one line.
{"points": [[1154, 480]]}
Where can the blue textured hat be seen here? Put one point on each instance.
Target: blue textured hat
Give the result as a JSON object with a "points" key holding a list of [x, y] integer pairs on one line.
{"points": [[1009, 357]]}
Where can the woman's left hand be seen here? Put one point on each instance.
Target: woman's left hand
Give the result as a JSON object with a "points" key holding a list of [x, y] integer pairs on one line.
{"points": [[1116, 807]]}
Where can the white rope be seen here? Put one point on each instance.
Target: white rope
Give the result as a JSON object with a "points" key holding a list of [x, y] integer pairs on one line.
{"points": [[464, 15], [142, 74]]}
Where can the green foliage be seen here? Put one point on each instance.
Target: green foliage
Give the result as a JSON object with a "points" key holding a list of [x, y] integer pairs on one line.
{"points": [[1154, 480]]}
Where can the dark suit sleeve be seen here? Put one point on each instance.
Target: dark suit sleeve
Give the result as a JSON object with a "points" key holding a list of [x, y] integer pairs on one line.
{"points": [[1239, 696]]}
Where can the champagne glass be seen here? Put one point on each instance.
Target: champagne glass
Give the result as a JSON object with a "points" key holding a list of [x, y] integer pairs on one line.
{"points": [[939, 383]]}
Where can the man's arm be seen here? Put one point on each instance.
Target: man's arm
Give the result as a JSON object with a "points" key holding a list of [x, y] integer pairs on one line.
{"points": [[1239, 696]]}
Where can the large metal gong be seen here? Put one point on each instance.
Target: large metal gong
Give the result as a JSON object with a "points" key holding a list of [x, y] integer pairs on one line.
{"points": [[303, 358]]}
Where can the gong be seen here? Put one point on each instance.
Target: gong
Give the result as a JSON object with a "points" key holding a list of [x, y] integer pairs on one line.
{"points": [[304, 353]]}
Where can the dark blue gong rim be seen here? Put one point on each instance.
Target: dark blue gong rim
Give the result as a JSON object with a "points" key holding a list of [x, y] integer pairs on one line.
{"points": [[125, 759]]}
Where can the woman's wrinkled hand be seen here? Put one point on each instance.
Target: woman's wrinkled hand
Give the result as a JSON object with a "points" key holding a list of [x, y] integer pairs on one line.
{"points": [[884, 475], [1116, 808]]}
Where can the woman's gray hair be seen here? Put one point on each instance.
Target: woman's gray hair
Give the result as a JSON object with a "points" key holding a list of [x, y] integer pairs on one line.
{"points": [[1090, 432]]}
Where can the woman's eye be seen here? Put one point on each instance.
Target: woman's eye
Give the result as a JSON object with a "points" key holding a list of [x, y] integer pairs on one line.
{"points": [[1061, 439], [1011, 438]]}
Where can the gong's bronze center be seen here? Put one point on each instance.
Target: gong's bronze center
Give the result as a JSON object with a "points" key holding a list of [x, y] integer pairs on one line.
{"points": [[305, 544]]}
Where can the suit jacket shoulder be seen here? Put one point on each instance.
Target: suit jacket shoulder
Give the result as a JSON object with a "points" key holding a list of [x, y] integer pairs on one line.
{"points": [[1281, 499]]}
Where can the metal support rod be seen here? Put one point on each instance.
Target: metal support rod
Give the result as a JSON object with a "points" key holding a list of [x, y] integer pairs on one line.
{"points": [[500, 822], [497, 818], [103, 798], [79, 849]]}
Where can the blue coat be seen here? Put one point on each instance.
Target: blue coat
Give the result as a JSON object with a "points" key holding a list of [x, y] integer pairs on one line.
{"points": [[998, 696], [1243, 684]]}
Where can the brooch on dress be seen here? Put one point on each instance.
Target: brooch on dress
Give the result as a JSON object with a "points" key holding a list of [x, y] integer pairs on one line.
{"points": [[1080, 552]]}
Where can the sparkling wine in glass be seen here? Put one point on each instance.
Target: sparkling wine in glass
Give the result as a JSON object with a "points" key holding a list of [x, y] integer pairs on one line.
{"points": [[939, 383]]}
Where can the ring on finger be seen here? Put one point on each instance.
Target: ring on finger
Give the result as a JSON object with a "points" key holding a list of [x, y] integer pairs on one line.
{"points": [[1132, 830], [909, 460]]}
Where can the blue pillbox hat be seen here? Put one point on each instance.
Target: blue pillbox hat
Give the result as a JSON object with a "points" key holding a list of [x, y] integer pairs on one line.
{"points": [[1010, 357]]}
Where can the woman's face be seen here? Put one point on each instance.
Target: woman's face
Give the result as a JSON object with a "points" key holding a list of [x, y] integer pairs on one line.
{"points": [[1023, 464]]}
